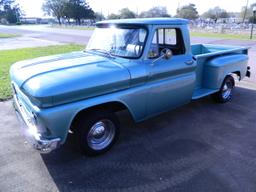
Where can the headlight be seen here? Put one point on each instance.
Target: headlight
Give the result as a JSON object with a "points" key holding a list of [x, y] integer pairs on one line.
{"points": [[41, 128]]}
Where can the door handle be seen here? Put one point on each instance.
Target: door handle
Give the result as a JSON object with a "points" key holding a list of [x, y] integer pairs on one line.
{"points": [[190, 62]]}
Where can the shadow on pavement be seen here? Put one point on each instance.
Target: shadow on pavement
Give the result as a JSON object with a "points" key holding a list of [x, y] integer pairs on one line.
{"points": [[202, 146]]}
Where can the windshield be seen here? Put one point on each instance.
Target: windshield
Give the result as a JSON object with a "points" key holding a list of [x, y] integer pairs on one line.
{"points": [[122, 42]]}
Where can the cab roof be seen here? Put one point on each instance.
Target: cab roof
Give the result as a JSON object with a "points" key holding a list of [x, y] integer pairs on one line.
{"points": [[146, 21]]}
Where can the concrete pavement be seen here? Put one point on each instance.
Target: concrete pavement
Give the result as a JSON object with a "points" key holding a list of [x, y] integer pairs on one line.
{"points": [[45, 32], [25, 42], [42, 35]]}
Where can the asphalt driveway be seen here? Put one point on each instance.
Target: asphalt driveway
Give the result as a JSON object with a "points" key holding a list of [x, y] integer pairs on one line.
{"points": [[202, 146]]}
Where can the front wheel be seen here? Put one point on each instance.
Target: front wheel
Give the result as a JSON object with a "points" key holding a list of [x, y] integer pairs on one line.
{"points": [[226, 91], [97, 132]]}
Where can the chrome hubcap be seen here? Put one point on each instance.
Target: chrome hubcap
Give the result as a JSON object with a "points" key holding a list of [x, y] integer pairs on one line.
{"points": [[98, 131], [227, 90], [101, 134]]}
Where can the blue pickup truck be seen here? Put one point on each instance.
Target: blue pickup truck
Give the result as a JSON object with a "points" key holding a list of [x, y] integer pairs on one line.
{"points": [[145, 66]]}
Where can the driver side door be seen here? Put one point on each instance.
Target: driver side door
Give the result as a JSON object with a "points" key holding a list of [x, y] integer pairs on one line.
{"points": [[171, 81]]}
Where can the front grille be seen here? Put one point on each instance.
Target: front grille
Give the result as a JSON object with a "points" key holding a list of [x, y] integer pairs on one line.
{"points": [[14, 89], [21, 102]]}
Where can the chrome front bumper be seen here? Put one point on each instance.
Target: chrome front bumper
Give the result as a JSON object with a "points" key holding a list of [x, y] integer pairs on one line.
{"points": [[31, 131]]}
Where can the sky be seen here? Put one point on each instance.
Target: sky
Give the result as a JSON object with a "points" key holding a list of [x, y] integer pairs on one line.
{"points": [[32, 8]]}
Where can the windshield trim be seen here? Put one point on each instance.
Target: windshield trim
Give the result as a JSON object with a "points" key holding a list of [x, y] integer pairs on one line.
{"points": [[127, 26]]}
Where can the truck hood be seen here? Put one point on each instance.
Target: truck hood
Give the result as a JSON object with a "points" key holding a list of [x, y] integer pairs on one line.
{"points": [[59, 79]]}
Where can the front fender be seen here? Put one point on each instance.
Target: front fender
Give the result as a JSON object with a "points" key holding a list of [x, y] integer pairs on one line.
{"points": [[58, 119]]}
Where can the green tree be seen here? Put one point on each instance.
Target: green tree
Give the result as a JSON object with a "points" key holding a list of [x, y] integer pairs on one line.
{"points": [[113, 16], [68, 9], [78, 10], [55, 8], [10, 11], [126, 13], [155, 12], [6, 2], [247, 13], [188, 12], [215, 13], [12, 14], [99, 16], [67, 12]]}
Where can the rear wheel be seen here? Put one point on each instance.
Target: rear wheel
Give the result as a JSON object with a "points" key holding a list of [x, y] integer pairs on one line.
{"points": [[226, 91], [97, 132]]}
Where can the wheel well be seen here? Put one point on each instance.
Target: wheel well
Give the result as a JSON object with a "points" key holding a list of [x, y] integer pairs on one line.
{"points": [[232, 76], [110, 106], [237, 74]]}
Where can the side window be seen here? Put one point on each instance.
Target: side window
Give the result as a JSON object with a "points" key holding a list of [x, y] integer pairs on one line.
{"points": [[161, 36], [170, 38], [153, 50]]}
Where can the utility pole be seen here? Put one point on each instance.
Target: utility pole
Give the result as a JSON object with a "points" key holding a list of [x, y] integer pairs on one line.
{"points": [[245, 11], [254, 15]]}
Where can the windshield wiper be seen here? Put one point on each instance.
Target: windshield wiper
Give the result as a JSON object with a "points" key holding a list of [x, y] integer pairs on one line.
{"points": [[102, 51]]}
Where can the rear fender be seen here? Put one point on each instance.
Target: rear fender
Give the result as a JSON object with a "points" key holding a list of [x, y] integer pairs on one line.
{"points": [[216, 69]]}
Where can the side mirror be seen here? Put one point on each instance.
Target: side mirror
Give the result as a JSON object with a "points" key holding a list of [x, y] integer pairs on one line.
{"points": [[168, 54], [165, 53]]}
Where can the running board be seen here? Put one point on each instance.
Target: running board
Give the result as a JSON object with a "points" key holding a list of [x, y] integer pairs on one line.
{"points": [[199, 93]]}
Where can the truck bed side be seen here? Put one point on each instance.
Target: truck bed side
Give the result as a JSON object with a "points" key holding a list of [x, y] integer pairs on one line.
{"points": [[214, 63]]}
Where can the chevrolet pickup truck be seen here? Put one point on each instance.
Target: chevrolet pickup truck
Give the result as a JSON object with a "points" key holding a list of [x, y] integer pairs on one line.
{"points": [[145, 66]]}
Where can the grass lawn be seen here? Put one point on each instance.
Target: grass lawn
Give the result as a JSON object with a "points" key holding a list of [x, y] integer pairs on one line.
{"points": [[72, 27], [220, 35], [6, 35], [8, 57]]}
